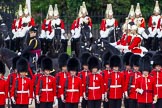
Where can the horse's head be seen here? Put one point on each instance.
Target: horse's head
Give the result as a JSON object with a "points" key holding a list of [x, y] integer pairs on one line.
{"points": [[6, 56]]}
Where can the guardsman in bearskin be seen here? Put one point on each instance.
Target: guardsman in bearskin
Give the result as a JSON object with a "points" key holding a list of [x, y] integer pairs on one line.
{"points": [[14, 74], [152, 28], [46, 86], [22, 86], [131, 80], [83, 74], [84, 25], [59, 29], [17, 29], [61, 77], [157, 74], [145, 85], [94, 89], [47, 31], [140, 22], [127, 71], [37, 76], [72, 93], [33, 47], [106, 72], [75, 38], [108, 24], [3, 87], [115, 83]]}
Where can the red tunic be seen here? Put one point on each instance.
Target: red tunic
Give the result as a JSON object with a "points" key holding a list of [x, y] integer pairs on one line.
{"points": [[74, 89], [3, 91], [116, 86], [47, 85], [147, 84], [24, 89]]}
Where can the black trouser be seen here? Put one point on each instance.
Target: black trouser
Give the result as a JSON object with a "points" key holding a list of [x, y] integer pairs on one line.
{"points": [[75, 45], [60, 103], [152, 43], [19, 43], [94, 103], [2, 106], [84, 103], [158, 103], [71, 105], [144, 105], [115, 103], [106, 104], [43, 45], [36, 104], [133, 103], [64, 43], [46, 105], [13, 105], [21, 106], [126, 103]]}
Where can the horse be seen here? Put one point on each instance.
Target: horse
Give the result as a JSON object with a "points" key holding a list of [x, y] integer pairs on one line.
{"points": [[101, 45]]}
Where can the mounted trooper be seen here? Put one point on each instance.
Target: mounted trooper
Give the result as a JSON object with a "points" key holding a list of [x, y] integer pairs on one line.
{"points": [[47, 33], [108, 24], [59, 29]]}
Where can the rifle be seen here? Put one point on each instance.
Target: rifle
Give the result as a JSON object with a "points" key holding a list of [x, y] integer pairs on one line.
{"points": [[16, 88], [108, 85], [35, 83], [57, 83], [129, 84], [87, 85], [66, 87], [40, 87]]}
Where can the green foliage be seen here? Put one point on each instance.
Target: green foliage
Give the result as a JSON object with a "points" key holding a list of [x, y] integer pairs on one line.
{"points": [[69, 8]]}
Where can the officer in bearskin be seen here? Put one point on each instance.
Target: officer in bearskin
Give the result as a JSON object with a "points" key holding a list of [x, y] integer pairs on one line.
{"points": [[22, 86], [94, 89], [145, 85], [61, 77], [46, 86], [37, 75], [3, 87], [72, 93], [157, 74], [83, 74], [106, 72], [115, 83], [131, 80]]}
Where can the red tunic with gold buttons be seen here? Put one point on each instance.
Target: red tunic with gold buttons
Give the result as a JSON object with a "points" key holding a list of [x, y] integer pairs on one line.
{"points": [[24, 90], [47, 85]]}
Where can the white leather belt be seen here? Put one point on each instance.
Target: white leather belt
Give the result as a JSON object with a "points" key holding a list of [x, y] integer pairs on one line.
{"points": [[2, 92], [59, 86], [115, 86], [133, 86], [93, 88], [22, 91], [72, 90], [47, 89], [158, 85]]}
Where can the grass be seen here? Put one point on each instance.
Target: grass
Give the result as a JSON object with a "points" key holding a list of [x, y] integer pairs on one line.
{"points": [[69, 50]]}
